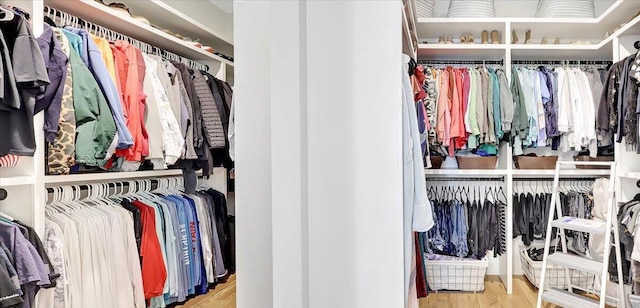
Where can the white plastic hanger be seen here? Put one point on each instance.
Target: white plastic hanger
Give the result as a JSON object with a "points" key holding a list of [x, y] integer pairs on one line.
{"points": [[6, 14]]}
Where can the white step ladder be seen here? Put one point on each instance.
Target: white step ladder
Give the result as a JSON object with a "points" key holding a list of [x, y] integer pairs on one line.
{"points": [[568, 298]]}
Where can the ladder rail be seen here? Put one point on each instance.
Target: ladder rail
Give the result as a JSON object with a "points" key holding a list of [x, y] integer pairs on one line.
{"points": [[613, 209], [604, 278], [547, 240]]}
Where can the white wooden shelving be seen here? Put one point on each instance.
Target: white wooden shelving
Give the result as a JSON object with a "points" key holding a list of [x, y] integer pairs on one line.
{"points": [[548, 174], [468, 173], [461, 51], [162, 14], [16, 181], [56, 180], [26, 183], [568, 30], [104, 16], [630, 175], [518, 173], [609, 48]]}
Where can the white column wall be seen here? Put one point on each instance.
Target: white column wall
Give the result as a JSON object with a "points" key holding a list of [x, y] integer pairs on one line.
{"points": [[319, 154], [253, 155]]}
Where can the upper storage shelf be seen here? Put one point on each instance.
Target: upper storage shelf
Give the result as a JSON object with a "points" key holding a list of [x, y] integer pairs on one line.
{"points": [[621, 11], [164, 14], [102, 15], [568, 30], [432, 28]]}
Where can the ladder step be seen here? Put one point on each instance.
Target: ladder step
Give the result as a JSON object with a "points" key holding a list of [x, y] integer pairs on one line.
{"points": [[567, 299], [579, 224], [576, 262]]}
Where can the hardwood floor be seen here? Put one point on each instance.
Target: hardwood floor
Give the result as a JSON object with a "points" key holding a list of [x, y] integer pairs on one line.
{"points": [[223, 296], [494, 295], [524, 295]]}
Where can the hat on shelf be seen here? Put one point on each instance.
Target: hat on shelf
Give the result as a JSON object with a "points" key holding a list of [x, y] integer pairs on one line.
{"points": [[425, 8], [472, 8], [566, 8]]}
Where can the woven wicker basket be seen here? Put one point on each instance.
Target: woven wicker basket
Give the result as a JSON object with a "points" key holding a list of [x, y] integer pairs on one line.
{"points": [[472, 162], [533, 162]]}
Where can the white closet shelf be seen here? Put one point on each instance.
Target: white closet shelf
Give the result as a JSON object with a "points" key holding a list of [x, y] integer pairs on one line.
{"points": [[53, 180], [102, 15], [461, 51], [600, 51], [168, 17], [550, 173], [488, 173], [435, 27], [16, 181], [591, 29], [630, 175], [578, 28]]}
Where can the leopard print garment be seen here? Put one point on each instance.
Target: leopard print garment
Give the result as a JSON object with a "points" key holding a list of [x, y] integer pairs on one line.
{"points": [[61, 153]]}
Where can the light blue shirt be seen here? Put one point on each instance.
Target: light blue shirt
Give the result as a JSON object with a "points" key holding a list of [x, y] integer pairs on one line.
{"points": [[92, 58]]}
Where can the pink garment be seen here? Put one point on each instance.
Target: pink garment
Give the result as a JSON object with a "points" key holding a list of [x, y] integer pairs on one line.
{"points": [[443, 126], [9, 160]]}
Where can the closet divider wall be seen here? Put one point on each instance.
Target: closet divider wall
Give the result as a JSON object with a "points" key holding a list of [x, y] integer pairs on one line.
{"points": [[609, 37]]}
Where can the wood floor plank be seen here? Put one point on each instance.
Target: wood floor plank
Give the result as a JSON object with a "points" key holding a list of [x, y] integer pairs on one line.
{"points": [[494, 296]]}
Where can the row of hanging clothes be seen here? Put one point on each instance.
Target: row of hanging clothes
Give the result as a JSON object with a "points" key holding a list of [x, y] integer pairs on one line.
{"points": [[627, 219], [25, 267], [532, 203], [618, 109], [131, 244], [556, 105], [467, 105], [470, 219]]}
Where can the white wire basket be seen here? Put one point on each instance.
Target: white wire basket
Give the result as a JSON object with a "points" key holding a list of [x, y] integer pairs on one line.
{"points": [[452, 275], [555, 277]]}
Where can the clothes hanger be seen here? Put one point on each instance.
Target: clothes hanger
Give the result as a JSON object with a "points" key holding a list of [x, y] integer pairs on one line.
{"points": [[500, 190], [6, 14]]}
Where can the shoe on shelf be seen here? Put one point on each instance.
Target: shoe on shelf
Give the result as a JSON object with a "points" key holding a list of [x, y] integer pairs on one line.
{"points": [[527, 37], [448, 40], [557, 41], [485, 37], [441, 39], [544, 41], [470, 39], [464, 39], [514, 37], [495, 37]]}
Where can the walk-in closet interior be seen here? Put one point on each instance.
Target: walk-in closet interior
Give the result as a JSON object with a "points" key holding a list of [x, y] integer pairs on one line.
{"points": [[505, 91], [392, 153]]}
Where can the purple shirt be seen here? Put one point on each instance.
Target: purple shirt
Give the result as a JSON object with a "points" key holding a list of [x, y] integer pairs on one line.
{"points": [[56, 62]]}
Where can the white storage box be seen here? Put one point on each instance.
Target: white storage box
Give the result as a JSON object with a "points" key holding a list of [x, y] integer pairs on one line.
{"points": [[456, 275], [555, 277]]}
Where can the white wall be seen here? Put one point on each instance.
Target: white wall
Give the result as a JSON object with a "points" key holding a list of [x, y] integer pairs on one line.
{"points": [[319, 164], [253, 155]]}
